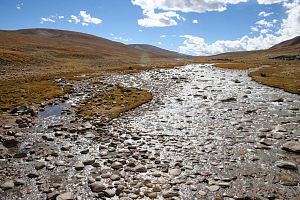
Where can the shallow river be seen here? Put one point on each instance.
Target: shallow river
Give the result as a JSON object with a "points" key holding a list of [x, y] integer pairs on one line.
{"points": [[208, 133]]}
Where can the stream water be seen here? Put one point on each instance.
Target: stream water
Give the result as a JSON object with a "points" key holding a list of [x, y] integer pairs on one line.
{"points": [[208, 133]]}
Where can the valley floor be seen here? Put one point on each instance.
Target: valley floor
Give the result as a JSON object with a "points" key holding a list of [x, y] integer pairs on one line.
{"points": [[208, 133]]}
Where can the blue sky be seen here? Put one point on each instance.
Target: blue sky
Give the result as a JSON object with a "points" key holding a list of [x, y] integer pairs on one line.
{"points": [[195, 27]]}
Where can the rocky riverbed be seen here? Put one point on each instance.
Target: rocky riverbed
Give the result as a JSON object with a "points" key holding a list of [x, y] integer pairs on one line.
{"points": [[208, 133]]}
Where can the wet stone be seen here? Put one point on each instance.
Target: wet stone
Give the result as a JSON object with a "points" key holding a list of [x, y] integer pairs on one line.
{"points": [[8, 185], [140, 168], [39, 165], [292, 147], [175, 172], [79, 166], [286, 164], [33, 175], [213, 188], [98, 187], [116, 165], [89, 161], [65, 196]]}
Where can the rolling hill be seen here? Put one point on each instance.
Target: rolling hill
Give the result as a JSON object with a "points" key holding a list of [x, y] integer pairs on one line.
{"points": [[49, 46]]}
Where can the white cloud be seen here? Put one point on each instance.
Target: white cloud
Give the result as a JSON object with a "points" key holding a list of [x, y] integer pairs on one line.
{"points": [[264, 31], [159, 43], [265, 14], [88, 19], [111, 34], [169, 17], [289, 28], [265, 23], [47, 19], [61, 17], [255, 29], [163, 36], [122, 39], [197, 46], [198, 6], [74, 19], [195, 21], [162, 19], [84, 18], [19, 6], [270, 1], [140, 30]]}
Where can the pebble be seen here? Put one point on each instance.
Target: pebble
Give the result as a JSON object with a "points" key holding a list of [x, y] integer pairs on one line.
{"points": [[89, 161], [286, 164], [140, 168], [213, 188], [98, 187], [292, 147], [175, 172], [116, 165], [65, 196], [8, 185]]}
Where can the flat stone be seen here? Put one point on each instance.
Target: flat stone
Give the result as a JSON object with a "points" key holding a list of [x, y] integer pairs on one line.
{"points": [[19, 182], [175, 172], [8, 185], [151, 195], [10, 141], [33, 175], [202, 193], [116, 165], [286, 164], [291, 147], [213, 188], [169, 194], [288, 181], [140, 168], [98, 187], [52, 195], [79, 166], [65, 196], [89, 161], [39, 165], [109, 193]]}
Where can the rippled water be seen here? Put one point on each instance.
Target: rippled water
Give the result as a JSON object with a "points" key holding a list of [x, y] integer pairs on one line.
{"points": [[205, 121]]}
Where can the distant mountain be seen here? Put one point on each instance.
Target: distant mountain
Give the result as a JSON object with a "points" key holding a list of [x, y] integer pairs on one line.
{"points": [[158, 51], [291, 42], [48, 46]]}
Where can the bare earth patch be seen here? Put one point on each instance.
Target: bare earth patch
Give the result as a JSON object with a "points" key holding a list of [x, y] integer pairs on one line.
{"points": [[112, 103]]}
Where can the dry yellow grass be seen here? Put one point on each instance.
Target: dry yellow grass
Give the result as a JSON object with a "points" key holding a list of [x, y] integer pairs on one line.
{"points": [[16, 93], [284, 76], [111, 104], [237, 65]]}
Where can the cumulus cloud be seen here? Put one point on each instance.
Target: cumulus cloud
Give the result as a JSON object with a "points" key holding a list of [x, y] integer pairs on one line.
{"points": [[162, 19], [88, 19], [265, 14], [84, 18], [74, 19], [169, 16], [19, 6], [268, 2], [289, 28], [265, 23], [198, 6], [163, 36], [48, 19], [195, 21]]}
